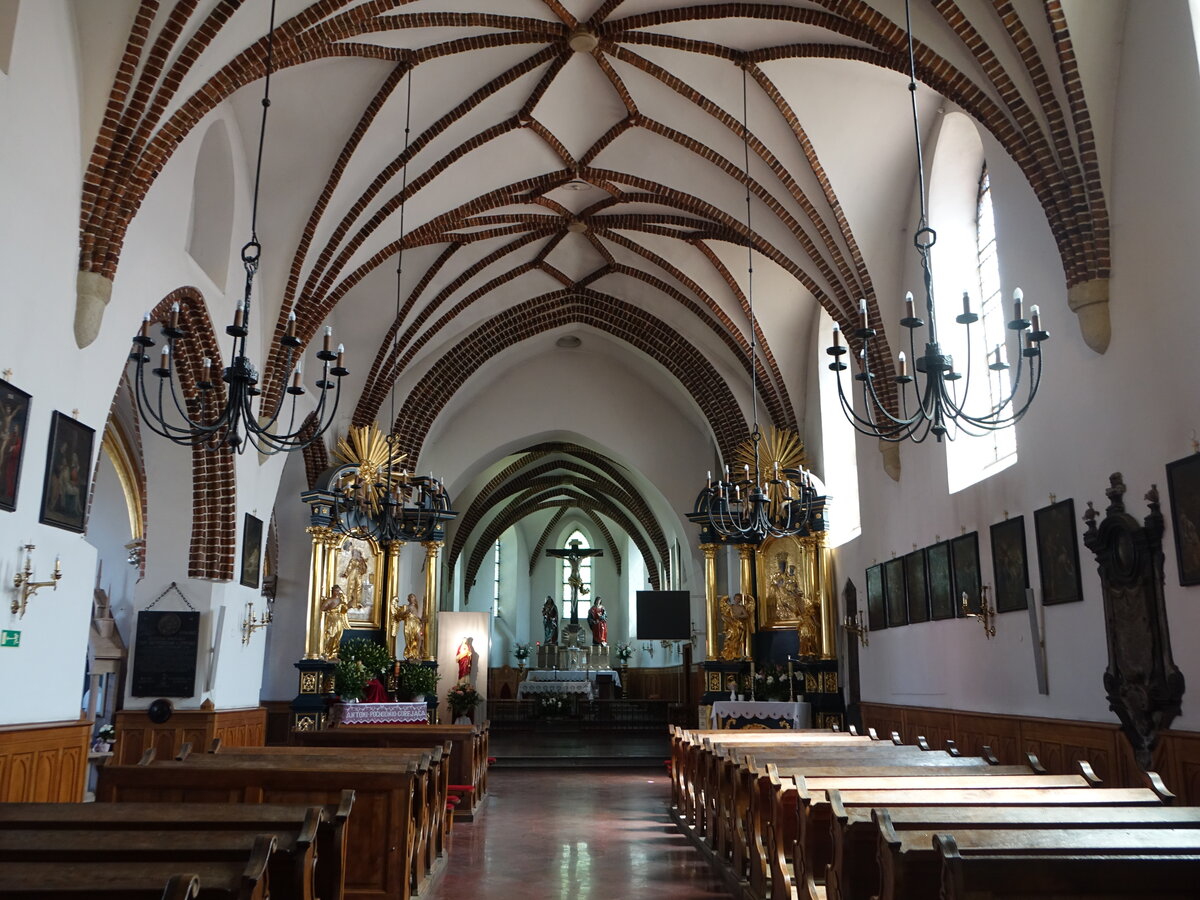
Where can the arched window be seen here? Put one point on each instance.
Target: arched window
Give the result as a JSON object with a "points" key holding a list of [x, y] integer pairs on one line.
{"points": [[585, 577], [496, 579], [966, 260]]}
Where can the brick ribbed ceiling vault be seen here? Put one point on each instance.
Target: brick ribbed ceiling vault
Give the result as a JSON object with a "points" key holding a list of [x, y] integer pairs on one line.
{"points": [[627, 240]]}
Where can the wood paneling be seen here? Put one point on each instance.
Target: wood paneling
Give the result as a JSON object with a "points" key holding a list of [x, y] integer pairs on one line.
{"points": [[1058, 743], [44, 762], [235, 727]]}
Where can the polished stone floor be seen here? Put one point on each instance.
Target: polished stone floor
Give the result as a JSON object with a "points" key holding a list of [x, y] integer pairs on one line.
{"points": [[574, 834]]}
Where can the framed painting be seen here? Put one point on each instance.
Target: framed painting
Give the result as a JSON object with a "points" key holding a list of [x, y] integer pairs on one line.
{"points": [[251, 551], [784, 581], [917, 585], [876, 611], [14, 417], [1058, 553], [1183, 484], [1010, 564], [964, 562], [894, 588], [68, 467], [358, 571], [939, 578]]}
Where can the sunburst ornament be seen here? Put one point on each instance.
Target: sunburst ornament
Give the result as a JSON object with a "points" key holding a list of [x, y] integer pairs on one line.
{"points": [[378, 465], [780, 452]]}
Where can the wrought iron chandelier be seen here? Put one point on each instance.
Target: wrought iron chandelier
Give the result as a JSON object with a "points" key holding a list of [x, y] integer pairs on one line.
{"points": [[197, 420], [936, 407], [381, 497], [750, 505]]}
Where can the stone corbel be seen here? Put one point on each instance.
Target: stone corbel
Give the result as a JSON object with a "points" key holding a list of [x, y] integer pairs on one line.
{"points": [[1089, 302], [93, 291], [890, 452]]}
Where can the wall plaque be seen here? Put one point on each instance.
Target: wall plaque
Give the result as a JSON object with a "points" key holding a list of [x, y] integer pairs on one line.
{"points": [[164, 655]]}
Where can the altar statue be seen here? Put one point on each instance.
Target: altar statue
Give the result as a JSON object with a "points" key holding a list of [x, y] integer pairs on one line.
{"points": [[354, 573], [597, 620], [735, 620], [550, 621], [409, 616], [463, 655], [336, 620]]}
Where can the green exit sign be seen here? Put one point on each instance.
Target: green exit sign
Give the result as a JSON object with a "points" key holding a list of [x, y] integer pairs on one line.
{"points": [[10, 638]]}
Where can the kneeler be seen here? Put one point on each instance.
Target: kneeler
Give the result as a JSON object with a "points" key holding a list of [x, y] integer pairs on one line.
{"points": [[376, 692]]}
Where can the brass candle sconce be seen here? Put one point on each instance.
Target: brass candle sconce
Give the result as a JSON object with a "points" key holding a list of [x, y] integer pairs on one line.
{"points": [[856, 626], [252, 623], [26, 587], [986, 614]]}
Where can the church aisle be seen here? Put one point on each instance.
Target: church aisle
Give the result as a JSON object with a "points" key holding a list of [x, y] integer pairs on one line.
{"points": [[574, 835]]}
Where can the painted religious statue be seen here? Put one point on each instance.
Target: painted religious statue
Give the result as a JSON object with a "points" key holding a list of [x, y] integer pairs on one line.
{"points": [[597, 620], [355, 574], [550, 621], [408, 617], [335, 620], [735, 621], [464, 656], [785, 597]]}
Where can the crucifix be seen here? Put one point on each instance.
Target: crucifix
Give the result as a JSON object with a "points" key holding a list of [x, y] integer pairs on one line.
{"points": [[574, 555]]}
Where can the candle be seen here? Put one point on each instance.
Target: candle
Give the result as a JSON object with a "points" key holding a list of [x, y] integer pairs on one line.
{"points": [[1036, 315], [710, 478], [966, 304], [175, 314], [328, 337], [58, 565], [291, 324], [238, 314], [341, 354], [862, 310], [908, 305], [727, 473], [206, 363], [166, 356], [837, 335], [146, 324], [903, 365], [1018, 296], [296, 377]]}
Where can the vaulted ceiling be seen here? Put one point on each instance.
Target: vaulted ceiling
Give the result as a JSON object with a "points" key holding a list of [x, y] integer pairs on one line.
{"points": [[579, 165]]}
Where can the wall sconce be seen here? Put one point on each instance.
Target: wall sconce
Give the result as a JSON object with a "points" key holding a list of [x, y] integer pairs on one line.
{"points": [[251, 623], [26, 587], [648, 648], [856, 626], [986, 614]]}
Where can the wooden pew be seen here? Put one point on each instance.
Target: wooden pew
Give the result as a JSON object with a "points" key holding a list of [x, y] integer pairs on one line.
{"points": [[854, 872], [257, 818], [244, 879], [1163, 873], [381, 834]]}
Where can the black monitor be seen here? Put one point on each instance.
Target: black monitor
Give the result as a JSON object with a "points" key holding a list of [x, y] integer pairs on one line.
{"points": [[664, 616]]}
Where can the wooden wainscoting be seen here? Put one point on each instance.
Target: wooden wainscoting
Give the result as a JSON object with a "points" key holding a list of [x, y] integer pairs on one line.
{"points": [[1057, 743], [235, 727], [44, 762]]}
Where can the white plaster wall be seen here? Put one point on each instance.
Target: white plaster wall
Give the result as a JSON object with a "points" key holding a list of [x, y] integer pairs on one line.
{"points": [[1096, 414]]}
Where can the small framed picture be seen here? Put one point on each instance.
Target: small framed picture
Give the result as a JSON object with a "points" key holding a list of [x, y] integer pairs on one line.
{"points": [[1010, 565], [1058, 553], [68, 468], [876, 610], [940, 577], [964, 558], [1183, 483], [14, 417], [251, 551], [894, 591], [918, 586]]}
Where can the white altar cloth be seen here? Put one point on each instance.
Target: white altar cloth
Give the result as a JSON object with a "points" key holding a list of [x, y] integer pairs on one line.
{"points": [[380, 714], [799, 713], [572, 675], [526, 688]]}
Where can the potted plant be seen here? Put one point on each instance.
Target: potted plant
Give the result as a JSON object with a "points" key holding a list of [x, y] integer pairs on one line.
{"points": [[416, 681], [624, 652], [372, 655], [350, 679], [106, 735], [521, 652], [553, 705], [462, 700]]}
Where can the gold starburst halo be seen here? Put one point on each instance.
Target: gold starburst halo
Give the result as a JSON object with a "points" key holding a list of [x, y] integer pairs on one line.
{"points": [[778, 445], [368, 448]]}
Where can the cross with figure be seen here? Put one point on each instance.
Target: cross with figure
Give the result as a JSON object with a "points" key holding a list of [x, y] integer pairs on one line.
{"points": [[574, 554]]}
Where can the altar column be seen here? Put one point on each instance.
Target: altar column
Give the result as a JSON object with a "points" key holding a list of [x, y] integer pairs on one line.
{"points": [[711, 603], [392, 597], [746, 559], [828, 598], [432, 549], [321, 538]]}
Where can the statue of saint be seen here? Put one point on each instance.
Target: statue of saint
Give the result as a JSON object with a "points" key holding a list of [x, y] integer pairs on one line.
{"points": [[735, 621], [784, 594], [355, 573], [463, 656], [550, 621], [335, 621], [597, 620], [408, 616]]}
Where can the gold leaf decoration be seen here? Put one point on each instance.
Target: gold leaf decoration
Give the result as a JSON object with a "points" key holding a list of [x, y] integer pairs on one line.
{"points": [[778, 445], [369, 449]]}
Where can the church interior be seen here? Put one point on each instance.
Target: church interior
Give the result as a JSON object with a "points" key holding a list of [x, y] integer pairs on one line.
{"points": [[540, 374]]}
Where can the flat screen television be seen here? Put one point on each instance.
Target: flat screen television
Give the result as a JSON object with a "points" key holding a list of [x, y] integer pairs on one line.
{"points": [[664, 615]]}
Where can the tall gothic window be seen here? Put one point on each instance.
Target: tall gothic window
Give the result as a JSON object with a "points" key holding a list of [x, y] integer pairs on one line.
{"points": [[585, 575], [496, 579]]}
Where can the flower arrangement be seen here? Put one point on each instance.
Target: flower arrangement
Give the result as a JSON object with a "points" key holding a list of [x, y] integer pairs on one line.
{"points": [[416, 680], [521, 652], [624, 652], [107, 733], [372, 655], [462, 699], [350, 679], [771, 682], [553, 704]]}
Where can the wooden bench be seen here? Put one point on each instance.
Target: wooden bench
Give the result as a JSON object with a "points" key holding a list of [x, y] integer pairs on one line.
{"points": [[242, 879], [381, 836], [329, 874]]}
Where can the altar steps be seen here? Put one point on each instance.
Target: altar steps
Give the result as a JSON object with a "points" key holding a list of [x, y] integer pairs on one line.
{"points": [[556, 745]]}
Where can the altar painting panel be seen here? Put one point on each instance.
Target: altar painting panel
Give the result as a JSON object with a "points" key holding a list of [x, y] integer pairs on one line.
{"points": [[358, 571], [787, 582]]}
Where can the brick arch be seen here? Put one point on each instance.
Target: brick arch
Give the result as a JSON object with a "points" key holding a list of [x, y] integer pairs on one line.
{"points": [[622, 320], [214, 483]]}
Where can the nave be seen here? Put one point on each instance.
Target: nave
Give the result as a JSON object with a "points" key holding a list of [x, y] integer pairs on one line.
{"points": [[592, 834]]}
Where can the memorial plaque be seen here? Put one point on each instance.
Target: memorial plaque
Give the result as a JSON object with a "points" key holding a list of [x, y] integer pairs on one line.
{"points": [[164, 658]]}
